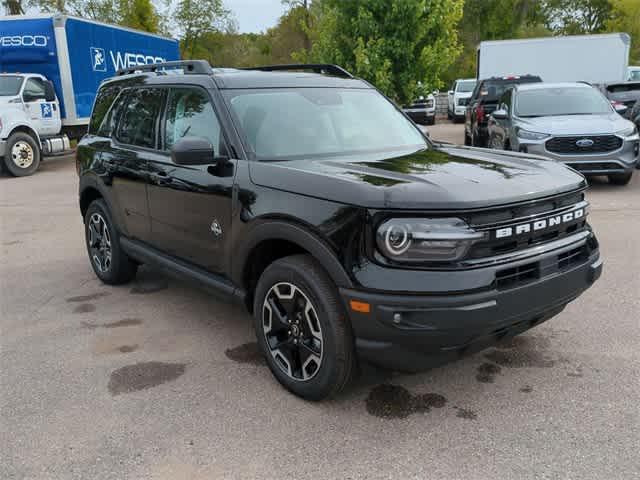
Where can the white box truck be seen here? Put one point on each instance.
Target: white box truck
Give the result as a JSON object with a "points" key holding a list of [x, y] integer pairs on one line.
{"points": [[588, 58], [50, 70]]}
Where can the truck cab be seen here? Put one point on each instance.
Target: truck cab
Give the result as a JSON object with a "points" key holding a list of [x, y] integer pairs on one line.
{"points": [[30, 122]]}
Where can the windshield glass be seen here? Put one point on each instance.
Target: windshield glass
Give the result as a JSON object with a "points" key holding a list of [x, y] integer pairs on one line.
{"points": [[466, 86], [10, 85], [561, 101], [303, 122]]}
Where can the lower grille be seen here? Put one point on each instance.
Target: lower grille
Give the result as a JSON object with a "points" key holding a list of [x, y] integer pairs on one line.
{"points": [[594, 166], [530, 272], [584, 144]]}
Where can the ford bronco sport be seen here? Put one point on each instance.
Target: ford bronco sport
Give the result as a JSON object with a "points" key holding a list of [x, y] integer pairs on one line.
{"points": [[306, 195]]}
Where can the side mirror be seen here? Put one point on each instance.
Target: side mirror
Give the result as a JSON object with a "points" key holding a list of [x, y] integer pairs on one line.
{"points": [[500, 114], [193, 151], [450, 92], [49, 92]]}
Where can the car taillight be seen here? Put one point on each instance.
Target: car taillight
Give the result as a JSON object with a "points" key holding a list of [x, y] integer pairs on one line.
{"points": [[480, 113]]}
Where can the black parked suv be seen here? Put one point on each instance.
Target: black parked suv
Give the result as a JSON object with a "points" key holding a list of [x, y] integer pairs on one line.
{"points": [[482, 103], [310, 198]]}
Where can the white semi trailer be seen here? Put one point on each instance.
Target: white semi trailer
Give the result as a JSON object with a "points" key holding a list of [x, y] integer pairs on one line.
{"points": [[588, 58]]}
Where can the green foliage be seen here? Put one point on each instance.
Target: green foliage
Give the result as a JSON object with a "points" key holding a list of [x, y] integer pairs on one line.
{"points": [[625, 17], [572, 17], [195, 18], [395, 44]]}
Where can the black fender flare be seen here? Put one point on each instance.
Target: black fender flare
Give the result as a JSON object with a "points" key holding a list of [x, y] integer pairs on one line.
{"points": [[92, 182], [289, 231]]}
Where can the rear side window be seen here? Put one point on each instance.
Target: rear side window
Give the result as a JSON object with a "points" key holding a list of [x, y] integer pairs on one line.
{"points": [[138, 122], [101, 106]]}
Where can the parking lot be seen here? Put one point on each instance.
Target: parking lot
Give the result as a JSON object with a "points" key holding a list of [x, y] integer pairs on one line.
{"points": [[157, 380]]}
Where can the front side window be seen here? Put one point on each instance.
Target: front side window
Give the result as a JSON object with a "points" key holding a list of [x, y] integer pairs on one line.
{"points": [[137, 125], [10, 85], [304, 122], [190, 114], [34, 89], [561, 101]]}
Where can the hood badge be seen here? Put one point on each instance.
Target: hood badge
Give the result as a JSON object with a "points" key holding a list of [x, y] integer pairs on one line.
{"points": [[584, 143], [216, 229]]}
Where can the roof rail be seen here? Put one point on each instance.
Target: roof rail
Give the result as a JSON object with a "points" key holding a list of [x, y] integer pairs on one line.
{"points": [[188, 67], [326, 69]]}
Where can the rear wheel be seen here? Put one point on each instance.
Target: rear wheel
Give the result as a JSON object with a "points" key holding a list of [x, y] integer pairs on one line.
{"points": [[22, 157], [302, 328], [620, 178], [109, 262]]}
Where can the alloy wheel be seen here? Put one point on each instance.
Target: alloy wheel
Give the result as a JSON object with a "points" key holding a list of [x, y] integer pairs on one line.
{"points": [[100, 243], [292, 331], [22, 154]]}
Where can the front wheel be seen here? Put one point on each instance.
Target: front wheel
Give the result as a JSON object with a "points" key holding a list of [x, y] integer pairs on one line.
{"points": [[22, 157], [110, 263], [620, 178], [302, 328]]}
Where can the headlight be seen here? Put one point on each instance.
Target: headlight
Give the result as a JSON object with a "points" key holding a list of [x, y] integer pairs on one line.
{"points": [[628, 132], [414, 240], [528, 135]]}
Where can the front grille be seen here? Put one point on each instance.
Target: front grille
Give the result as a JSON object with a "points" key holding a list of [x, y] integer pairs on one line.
{"points": [[530, 272], [516, 215], [570, 145], [463, 101]]}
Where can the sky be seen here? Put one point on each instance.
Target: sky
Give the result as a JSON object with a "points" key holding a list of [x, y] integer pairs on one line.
{"points": [[255, 15]]}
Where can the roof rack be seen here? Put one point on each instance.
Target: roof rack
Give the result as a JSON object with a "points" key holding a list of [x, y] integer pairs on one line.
{"points": [[325, 69], [188, 67]]}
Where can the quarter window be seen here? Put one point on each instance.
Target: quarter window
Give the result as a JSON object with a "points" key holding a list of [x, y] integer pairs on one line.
{"points": [[190, 114], [137, 125]]}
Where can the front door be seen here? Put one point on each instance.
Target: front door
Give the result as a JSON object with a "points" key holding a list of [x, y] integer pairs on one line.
{"points": [[190, 206], [44, 115]]}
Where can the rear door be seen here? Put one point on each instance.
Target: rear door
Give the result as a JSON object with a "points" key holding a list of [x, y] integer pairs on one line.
{"points": [[133, 144], [190, 205]]}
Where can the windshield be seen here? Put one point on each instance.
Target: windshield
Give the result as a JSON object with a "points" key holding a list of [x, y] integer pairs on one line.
{"points": [[561, 101], [10, 85], [466, 86], [303, 122]]}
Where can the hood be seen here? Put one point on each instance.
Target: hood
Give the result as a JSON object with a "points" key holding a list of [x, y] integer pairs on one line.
{"points": [[441, 178], [462, 94], [575, 124]]}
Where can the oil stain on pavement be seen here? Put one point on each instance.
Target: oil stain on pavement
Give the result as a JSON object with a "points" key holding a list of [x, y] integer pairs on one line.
{"points": [[85, 308], [487, 372], [125, 322], [128, 348], [521, 352], [393, 401], [466, 414], [86, 298], [141, 376], [246, 353]]}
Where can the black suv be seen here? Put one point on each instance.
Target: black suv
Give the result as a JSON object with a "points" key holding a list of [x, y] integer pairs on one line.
{"points": [[482, 103], [309, 197]]}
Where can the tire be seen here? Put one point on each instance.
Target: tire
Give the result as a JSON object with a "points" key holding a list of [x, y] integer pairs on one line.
{"points": [[323, 334], [620, 178], [22, 157], [116, 268]]}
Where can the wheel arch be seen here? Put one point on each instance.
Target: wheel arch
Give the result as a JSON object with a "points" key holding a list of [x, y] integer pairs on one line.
{"points": [[275, 239], [24, 128]]}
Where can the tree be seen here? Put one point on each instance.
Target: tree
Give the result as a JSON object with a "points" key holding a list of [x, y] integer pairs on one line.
{"points": [[625, 17], [139, 14], [397, 45], [194, 18], [571, 17], [13, 7]]}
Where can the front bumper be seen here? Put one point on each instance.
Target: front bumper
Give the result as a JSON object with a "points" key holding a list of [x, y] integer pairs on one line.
{"points": [[421, 115], [619, 161], [412, 332], [460, 111]]}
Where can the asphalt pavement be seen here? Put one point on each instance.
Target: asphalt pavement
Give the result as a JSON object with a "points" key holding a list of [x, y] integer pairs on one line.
{"points": [[157, 380]]}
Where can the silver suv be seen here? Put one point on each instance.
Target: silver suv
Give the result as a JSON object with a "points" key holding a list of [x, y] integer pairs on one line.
{"points": [[572, 123]]}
